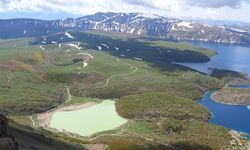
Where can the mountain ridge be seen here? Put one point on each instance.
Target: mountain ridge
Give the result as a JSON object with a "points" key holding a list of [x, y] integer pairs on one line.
{"points": [[132, 23]]}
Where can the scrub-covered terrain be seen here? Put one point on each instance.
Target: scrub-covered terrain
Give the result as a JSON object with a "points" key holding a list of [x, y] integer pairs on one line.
{"points": [[46, 74]]}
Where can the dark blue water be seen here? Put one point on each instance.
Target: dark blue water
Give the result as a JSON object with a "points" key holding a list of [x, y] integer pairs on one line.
{"points": [[244, 86], [230, 57], [234, 117]]}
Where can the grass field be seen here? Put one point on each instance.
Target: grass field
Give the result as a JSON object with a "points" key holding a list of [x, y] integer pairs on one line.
{"points": [[33, 77]]}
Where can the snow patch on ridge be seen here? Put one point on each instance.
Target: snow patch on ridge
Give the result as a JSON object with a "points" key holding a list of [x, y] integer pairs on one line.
{"points": [[148, 15], [99, 48], [69, 35], [73, 45], [137, 58], [105, 45], [238, 30]]}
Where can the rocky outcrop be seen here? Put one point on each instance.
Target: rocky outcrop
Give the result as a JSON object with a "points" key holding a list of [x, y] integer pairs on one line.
{"points": [[7, 142]]}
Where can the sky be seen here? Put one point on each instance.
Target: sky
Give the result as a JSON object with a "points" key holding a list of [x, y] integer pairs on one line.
{"points": [[58, 9]]}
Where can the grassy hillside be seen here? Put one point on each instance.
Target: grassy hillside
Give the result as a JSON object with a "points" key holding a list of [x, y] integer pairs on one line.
{"points": [[157, 106], [170, 119], [33, 77]]}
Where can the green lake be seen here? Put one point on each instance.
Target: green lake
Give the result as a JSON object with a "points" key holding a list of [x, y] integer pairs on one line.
{"points": [[88, 121]]}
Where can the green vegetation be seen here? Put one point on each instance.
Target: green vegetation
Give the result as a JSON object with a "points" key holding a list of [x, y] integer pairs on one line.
{"points": [[82, 100], [157, 106], [170, 119], [33, 77], [181, 46], [23, 94]]}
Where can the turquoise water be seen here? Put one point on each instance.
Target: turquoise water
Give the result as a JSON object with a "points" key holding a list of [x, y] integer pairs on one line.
{"points": [[248, 136], [88, 121]]}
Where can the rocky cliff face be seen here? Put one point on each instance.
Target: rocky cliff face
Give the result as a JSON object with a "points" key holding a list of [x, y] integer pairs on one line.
{"points": [[132, 23], [7, 142]]}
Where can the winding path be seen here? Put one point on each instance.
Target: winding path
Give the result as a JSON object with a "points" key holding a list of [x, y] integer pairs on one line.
{"points": [[121, 134], [116, 75], [33, 122], [51, 110]]}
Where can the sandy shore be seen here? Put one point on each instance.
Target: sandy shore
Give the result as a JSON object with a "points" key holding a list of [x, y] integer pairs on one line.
{"points": [[44, 119]]}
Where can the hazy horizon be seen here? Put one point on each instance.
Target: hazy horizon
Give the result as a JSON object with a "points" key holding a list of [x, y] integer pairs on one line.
{"points": [[228, 10]]}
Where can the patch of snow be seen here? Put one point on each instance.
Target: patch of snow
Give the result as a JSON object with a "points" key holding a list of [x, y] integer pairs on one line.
{"points": [[44, 40], [73, 45], [122, 55], [85, 64], [127, 50], [182, 25], [92, 57], [116, 48], [222, 27], [41, 47], [105, 45], [24, 31], [238, 30], [132, 31], [148, 15], [69, 35], [139, 32], [95, 27], [99, 48], [185, 24], [53, 42], [60, 45], [137, 58]]}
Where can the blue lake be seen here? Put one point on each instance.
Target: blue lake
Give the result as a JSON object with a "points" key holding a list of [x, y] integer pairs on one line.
{"points": [[234, 117], [230, 57], [244, 86]]}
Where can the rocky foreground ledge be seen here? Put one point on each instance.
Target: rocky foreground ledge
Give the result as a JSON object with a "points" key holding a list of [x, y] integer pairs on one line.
{"points": [[7, 142]]}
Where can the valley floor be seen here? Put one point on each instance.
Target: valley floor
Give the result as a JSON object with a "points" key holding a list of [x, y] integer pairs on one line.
{"points": [[157, 97]]}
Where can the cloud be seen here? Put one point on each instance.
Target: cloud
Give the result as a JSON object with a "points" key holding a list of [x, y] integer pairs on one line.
{"points": [[147, 3], [181, 3], [216, 3], [88, 6]]}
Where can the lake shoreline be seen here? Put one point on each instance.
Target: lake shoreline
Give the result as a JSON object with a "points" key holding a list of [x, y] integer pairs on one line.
{"points": [[88, 119], [44, 119], [217, 98]]}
